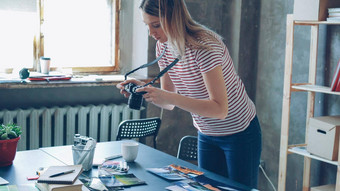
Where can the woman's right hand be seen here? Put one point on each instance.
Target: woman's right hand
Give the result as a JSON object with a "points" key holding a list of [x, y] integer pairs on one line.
{"points": [[122, 84]]}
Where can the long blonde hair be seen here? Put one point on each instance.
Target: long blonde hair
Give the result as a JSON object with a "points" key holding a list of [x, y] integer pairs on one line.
{"points": [[178, 24]]}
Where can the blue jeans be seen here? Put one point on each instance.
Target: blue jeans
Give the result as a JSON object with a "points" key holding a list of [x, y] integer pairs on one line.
{"points": [[235, 156]]}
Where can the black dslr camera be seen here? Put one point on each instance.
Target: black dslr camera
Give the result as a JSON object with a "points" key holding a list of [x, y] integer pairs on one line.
{"points": [[136, 98]]}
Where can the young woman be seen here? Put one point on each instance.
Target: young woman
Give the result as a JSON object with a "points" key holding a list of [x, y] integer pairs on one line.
{"points": [[204, 83]]}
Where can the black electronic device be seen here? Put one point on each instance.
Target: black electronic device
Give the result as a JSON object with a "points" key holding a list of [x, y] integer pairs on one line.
{"points": [[136, 98]]}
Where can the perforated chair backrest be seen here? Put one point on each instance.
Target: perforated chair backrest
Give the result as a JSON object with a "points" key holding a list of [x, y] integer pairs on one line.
{"points": [[137, 128], [187, 149]]}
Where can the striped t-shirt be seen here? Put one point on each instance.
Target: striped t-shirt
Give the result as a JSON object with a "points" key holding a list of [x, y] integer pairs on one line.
{"points": [[187, 77]]}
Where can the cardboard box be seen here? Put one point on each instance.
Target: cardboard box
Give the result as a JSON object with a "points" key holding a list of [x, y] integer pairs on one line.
{"points": [[323, 137], [313, 10], [329, 187]]}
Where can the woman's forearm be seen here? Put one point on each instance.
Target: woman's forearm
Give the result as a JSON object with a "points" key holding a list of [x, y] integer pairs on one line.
{"points": [[206, 108]]}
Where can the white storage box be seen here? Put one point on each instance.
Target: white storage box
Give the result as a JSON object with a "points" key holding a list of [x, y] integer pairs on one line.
{"points": [[328, 187], [323, 137], [313, 10]]}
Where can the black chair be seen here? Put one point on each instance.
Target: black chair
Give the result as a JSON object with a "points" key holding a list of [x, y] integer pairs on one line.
{"points": [[138, 128], [187, 149]]}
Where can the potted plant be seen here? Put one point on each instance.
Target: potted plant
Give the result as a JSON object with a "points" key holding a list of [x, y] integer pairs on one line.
{"points": [[9, 137]]}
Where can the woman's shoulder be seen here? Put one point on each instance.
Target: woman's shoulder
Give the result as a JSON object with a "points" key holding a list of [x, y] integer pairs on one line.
{"points": [[209, 38], [210, 42]]}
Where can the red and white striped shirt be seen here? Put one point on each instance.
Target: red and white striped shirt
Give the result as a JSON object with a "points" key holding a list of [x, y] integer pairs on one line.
{"points": [[187, 77]]}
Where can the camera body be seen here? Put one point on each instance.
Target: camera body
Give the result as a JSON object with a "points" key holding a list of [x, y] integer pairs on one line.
{"points": [[136, 98]]}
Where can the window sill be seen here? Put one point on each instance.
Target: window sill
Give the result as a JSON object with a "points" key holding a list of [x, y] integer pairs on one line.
{"points": [[77, 81]]}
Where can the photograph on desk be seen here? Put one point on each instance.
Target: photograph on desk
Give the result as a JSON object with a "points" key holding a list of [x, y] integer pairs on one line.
{"points": [[174, 172], [167, 173], [114, 167], [201, 183], [192, 185], [112, 182], [189, 179]]}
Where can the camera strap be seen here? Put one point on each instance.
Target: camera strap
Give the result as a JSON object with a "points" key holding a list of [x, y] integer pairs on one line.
{"points": [[146, 65], [162, 72], [151, 63]]}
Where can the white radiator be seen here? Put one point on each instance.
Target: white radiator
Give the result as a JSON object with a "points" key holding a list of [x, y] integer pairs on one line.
{"points": [[56, 126]]}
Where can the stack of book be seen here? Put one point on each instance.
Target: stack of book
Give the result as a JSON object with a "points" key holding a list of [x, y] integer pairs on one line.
{"points": [[333, 15], [60, 178]]}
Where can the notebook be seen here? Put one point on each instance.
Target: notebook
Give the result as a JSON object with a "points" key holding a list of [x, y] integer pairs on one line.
{"points": [[77, 186], [68, 178]]}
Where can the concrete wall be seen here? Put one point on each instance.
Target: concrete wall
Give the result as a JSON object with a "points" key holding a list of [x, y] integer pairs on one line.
{"points": [[269, 90]]}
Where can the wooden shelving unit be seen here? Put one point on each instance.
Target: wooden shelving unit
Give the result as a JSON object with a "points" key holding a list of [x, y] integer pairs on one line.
{"points": [[314, 88], [309, 87]]}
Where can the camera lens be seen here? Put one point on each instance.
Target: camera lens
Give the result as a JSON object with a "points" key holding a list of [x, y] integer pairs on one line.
{"points": [[135, 101]]}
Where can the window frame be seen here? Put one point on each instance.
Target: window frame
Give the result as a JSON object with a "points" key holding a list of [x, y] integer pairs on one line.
{"points": [[38, 49]]}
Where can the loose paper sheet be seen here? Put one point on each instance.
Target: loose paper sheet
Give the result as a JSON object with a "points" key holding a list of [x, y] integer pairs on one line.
{"points": [[3, 181]]}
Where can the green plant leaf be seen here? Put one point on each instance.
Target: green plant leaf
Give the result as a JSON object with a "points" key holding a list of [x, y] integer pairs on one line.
{"points": [[4, 136], [12, 135], [10, 131]]}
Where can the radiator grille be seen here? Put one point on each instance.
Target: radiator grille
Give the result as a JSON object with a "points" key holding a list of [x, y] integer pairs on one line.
{"points": [[56, 126]]}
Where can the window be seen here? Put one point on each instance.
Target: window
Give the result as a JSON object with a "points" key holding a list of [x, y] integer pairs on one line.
{"points": [[16, 37], [77, 34]]}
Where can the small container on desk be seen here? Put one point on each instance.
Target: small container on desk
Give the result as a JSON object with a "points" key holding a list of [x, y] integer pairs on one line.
{"points": [[83, 154]]}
